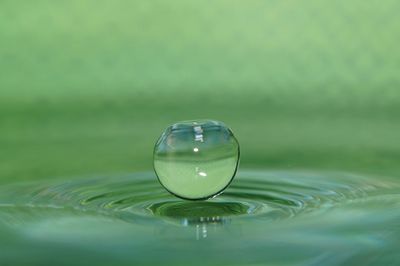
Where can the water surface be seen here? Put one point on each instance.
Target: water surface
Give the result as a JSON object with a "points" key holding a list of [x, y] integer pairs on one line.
{"points": [[264, 217]]}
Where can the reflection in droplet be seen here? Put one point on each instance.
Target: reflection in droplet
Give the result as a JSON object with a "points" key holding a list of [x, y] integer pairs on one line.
{"points": [[196, 159]]}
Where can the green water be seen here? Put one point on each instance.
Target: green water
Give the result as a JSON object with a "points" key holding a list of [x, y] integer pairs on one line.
{"points": [[311, 90], [264, 217]]}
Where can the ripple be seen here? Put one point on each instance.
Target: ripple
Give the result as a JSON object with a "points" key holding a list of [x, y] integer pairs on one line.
{"points": [[254, 194], [318, 217]]}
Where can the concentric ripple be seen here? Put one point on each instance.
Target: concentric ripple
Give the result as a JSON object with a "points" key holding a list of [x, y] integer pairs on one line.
{"points": [[318, 218], [256, 195]]}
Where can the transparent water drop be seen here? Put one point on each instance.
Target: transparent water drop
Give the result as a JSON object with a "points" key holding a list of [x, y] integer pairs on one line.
{"points": [[196, 159]]}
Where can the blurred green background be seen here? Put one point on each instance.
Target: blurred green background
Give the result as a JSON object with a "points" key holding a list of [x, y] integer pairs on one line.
{"points": [[86, 87]]}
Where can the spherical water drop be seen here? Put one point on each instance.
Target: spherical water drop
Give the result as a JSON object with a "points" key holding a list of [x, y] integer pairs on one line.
{"points": [[196, 159]]}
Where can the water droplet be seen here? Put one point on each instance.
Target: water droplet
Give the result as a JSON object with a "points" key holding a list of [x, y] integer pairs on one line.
{"points": [[196, 159]]}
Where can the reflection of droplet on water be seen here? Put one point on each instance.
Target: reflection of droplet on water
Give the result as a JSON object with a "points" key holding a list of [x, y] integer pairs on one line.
{"points": [[196, 159]]}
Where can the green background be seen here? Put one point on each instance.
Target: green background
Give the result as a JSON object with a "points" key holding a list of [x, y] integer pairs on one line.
{"points": [[86, 87]]}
